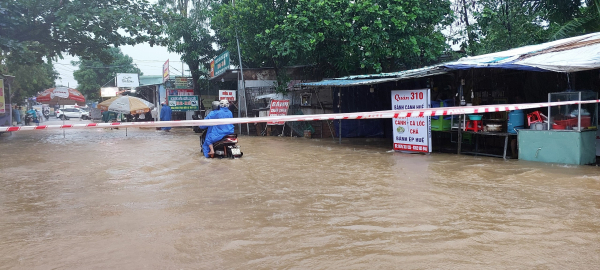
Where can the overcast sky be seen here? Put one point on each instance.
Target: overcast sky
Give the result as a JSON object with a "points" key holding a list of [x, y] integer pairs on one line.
{"points": [[148, 59]]}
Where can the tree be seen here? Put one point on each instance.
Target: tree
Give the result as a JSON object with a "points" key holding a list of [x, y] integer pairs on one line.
{"points": [[587, 20], [187, 33], [486, 26], [34, 29], [30, 79], [341, 37], [94, 74]]}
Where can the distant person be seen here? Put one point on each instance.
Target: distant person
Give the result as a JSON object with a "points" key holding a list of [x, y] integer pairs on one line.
{"points": [[104, 116], [16, 114], [217, 132], [108, 116], [154, 114], [40, 116], [33, 114], [142, 117], [165, 115]]}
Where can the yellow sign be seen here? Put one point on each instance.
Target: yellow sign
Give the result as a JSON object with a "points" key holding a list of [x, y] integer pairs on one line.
{"points": [[2, 100]]}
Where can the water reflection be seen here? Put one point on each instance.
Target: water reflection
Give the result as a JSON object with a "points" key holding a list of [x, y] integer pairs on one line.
{"points": [[100, 199]]}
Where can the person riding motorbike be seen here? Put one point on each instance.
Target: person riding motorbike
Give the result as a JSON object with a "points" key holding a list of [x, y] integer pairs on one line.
{"points": [[46, 113], [216, 133], [31, 116]]}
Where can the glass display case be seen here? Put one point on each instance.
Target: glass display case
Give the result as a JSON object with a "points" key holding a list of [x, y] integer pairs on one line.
{"points": [[577, 117]]}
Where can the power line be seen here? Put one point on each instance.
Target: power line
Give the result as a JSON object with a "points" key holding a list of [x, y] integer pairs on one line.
{"points": [[80, 66], [161, 61]]}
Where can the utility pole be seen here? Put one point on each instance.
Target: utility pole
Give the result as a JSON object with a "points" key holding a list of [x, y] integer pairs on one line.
{"points": [[242, 92]]}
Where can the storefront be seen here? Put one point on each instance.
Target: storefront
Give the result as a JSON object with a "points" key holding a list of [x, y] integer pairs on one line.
{"points": [[559, 70]]}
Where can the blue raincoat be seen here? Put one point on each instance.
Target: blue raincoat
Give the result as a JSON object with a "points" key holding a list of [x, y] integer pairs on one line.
{"points": [[216, 133], [165, 115]]}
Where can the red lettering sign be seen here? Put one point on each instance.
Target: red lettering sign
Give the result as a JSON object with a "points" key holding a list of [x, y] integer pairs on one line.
{"points": [[278, 108]]}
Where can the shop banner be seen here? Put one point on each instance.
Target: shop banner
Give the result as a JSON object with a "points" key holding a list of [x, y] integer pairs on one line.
{"points": [[221, 64], [278, 108], [128, 80], [180, 92], [109, 91], [183, 103], [166, 71], [2, 100], [184, 83], [411, 134], [227, 94]]}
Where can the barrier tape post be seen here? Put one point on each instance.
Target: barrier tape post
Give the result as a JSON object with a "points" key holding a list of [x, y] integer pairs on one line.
{"points": [[314, 117]]}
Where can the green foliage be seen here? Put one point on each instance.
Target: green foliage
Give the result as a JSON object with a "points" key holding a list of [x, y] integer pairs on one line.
{"points": [[93, 74], [33, 29], [494, 25], [30, 79], [186, 32], [507, 24], [341, 37], [587, 21]]}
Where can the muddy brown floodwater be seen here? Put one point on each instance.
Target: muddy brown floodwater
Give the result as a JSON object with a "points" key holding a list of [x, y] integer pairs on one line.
{"points": [[100, 200]]}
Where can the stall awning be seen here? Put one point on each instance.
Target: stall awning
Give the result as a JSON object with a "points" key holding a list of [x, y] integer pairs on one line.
{"points": [[565, 55], [348, 83], [379, 78], [405, 74]]}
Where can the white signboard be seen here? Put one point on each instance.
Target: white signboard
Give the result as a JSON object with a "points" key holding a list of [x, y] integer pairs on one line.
{"points": [[127, 80], [61, 92], [227, 94], [109, 91], [411, 133]]}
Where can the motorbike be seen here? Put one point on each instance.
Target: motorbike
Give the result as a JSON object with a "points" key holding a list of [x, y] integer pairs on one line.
{"points": [[224, 148], [28, 119], [47, 114]]}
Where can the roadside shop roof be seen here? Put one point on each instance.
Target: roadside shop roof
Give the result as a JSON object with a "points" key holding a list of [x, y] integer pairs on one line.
{"points": [[379, 78], [564, 55], [348, 83], [405, 74]]}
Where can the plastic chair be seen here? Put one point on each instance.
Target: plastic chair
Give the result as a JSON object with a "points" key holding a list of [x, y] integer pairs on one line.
{"points": [[474, 125], [536, 117]]}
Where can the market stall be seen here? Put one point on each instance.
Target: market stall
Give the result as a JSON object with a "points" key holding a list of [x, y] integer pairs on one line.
{"points": [[567, 135]]}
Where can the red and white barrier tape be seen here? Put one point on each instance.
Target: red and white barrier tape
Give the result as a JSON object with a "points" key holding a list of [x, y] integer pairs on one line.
{"points": [[313, 117]]}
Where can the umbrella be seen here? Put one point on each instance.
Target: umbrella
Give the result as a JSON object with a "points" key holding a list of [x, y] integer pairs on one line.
{"points": [[61, 96], [126, 104]]}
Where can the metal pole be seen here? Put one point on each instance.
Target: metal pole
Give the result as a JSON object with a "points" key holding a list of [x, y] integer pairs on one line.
{"points": [[579, 115], [242, 93], [340, 110]]}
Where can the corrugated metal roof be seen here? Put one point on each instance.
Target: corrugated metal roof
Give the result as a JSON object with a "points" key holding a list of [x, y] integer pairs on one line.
{"points": [[380, 78], [565, 55], [405, 74], [347, 83]]}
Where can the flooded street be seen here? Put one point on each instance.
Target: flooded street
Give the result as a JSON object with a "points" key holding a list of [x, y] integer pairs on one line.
{"points": [[100, 200]]}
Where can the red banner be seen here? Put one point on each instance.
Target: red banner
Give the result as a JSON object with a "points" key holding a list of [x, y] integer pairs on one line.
{"points": [[227, 94], [278, 108]]}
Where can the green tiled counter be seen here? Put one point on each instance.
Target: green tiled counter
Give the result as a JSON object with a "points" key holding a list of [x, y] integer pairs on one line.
{"points": [[553, 146]]}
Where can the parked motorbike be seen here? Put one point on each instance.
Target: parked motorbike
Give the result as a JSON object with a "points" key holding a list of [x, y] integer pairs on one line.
{"points": [[224, 148], [46, 114]]}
